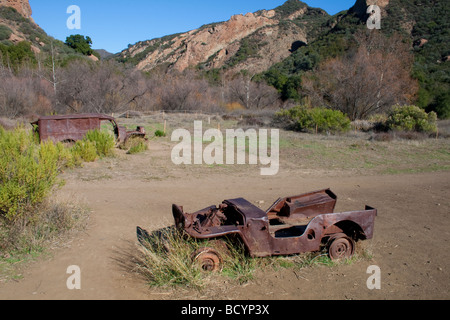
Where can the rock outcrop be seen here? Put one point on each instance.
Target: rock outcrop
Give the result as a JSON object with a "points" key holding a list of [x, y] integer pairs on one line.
{"points": [[22, 6], [199, 45], [269, 40], [18, 33]]}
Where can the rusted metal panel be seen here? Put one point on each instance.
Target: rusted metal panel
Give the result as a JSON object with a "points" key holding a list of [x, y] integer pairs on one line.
{"points": [[291, 225], [305, 206]]}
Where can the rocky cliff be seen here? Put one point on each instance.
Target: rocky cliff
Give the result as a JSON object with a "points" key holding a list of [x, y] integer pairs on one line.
{"points": [[20, 29], [251, 42], [22, 6]]}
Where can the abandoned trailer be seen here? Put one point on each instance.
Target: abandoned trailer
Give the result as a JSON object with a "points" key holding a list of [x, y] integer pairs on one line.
{"points": [[71, 128]]}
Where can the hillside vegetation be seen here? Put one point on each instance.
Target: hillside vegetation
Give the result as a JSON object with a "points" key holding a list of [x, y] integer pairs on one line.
{"points": [[424, 25], [30, 40]]}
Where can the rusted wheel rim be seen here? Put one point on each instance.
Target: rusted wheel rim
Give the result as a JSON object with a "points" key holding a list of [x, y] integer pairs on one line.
{"points": [[341, 248], [208, 259]]}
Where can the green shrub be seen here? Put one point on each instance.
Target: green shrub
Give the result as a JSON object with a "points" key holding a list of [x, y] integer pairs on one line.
{"points": [[28, 173], [94, 145], [160, 133], [318, 120], [5, 32], [85, 150], [138, 145], [67, 157], [103, 142], [15, 55], [29, 170], [411, 118]]}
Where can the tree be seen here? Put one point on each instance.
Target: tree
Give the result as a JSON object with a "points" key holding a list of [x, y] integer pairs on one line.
{"points": [[103, 87], [80, 44], [369, 80], [24, 94], [252, 94], [15, 56]]}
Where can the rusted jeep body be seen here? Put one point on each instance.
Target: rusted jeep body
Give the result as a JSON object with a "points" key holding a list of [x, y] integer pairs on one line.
{"points": [[71, 128], [292, 225]]}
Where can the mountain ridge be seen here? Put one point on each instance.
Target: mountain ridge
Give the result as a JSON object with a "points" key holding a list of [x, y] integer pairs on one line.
{"points": [[251, 42]]}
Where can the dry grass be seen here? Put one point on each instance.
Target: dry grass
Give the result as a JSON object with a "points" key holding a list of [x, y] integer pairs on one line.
{"points": [[358, 153], [166, 260], [354, 152], [59, 219]]}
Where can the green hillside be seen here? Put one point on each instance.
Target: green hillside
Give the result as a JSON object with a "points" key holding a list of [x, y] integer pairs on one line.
{"points": [[413, 19], [32, 43]]}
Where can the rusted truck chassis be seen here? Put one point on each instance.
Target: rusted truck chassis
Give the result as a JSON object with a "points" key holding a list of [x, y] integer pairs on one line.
{"points": [[292, 225], [71, 128]]}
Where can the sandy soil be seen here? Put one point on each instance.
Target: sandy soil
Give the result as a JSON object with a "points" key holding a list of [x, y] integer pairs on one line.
{"points": [[411, 243]]}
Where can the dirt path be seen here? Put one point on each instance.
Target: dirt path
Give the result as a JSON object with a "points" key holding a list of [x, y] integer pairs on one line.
{"points": [[411, 244]]}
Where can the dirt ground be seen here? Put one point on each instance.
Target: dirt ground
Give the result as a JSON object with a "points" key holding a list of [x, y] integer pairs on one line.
{"points": [[411, 243]]}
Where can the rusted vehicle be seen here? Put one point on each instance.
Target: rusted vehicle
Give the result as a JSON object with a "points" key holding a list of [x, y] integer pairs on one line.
{"points": [[292, 225], [71, 128]]}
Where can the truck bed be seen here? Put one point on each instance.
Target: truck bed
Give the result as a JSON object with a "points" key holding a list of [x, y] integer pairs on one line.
{"points": [[301, 209]]}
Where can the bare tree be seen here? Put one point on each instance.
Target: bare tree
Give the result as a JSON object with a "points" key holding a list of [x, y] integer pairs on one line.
{"points": [[24, 94], [103, 87], [186, 91], [370, 80], [252, 95]]}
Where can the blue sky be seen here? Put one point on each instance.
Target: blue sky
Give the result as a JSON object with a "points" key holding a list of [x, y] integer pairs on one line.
{"points": [[113, 24]]}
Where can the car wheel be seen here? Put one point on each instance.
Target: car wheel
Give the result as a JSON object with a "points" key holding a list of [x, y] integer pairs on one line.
{"points": [[208, 259], [341, 247]]}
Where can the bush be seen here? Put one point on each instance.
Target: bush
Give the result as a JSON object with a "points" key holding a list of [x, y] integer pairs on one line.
{"points": [[16, 55], [103, 141], [411, 118], [160, 133], [138, 145], [94, 145], [5, 32], [85, 150], [28, 173], [318, 120]]}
